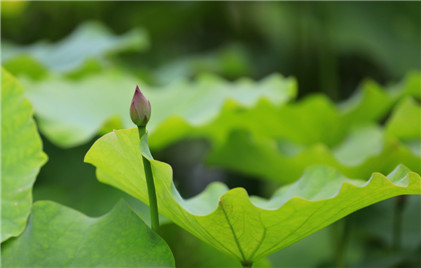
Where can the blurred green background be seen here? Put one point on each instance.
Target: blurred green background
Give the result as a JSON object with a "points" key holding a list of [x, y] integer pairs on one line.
{"points": [[329, 47]]}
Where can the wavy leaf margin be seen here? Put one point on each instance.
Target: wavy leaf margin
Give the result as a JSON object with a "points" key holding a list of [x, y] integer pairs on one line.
{"points": [[245, 228]]}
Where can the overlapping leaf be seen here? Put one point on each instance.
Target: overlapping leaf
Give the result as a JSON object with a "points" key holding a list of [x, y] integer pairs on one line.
{"points": [[90, 41], [21, 156], [364, 150], [314, 131], [71, 112], [307, 132], [58, 236], [315, 119], [246, 228], [208, 108]]}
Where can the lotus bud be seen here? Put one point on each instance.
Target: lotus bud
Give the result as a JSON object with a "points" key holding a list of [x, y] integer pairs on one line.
{"points": [[140, 109]]}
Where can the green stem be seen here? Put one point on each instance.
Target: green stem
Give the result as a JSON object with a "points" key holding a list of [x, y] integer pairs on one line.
{"points": [[342, 242], [153, 204]]}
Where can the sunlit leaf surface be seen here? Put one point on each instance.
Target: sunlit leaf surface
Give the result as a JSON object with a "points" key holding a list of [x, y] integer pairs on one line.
{"points": [[21, 156], [247, 228], [71, 112], [325, 137], [364, 150], [58, 236]]}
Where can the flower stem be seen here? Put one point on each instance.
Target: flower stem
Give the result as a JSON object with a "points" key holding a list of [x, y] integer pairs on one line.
{"points": [[153, 204], [340, 252]]}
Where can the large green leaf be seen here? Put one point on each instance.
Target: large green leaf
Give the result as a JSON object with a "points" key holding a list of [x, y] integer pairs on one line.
{"points": [[71, 112], [58, 236], [245, 228], [21, 156], [327, 122], [291, 122], [364, 151], [90, 41]]}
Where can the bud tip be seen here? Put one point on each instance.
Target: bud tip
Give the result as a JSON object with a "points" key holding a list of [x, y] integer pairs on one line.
{"points": [[140, 109]]}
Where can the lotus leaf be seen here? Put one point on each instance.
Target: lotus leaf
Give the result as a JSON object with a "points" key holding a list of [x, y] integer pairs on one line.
{"points": [[246, 228], [58, 236], [21, 156]]}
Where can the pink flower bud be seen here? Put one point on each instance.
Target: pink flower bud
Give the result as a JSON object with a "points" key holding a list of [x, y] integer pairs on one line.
{"points": [[140, 109]]}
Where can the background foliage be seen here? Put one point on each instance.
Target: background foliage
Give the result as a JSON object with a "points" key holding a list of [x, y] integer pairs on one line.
{"points": [[80, 62]]}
